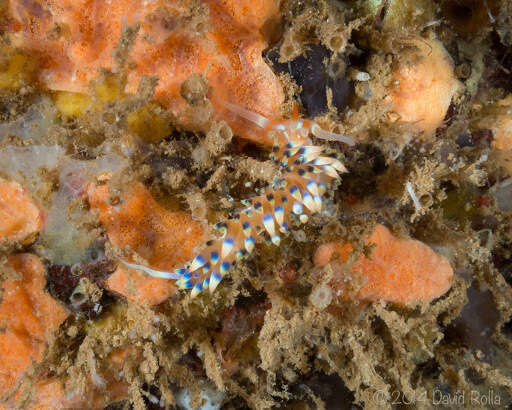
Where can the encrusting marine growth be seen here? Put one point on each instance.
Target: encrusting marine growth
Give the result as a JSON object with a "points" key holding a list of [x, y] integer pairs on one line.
{"points": [[307, 171], [133, 224]]}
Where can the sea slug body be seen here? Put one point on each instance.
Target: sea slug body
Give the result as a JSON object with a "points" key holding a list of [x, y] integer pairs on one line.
{"points": [[307, 172]]}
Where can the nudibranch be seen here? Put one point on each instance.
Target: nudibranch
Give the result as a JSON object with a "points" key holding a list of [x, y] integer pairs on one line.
{"points": [[307, 171]]}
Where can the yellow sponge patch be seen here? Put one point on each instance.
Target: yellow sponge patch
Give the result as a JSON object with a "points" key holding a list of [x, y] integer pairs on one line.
{"points": [[72, 104]]}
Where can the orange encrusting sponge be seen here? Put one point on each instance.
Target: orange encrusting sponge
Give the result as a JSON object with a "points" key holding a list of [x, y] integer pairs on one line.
{"points": [[401, 271], [163, 238], [424, 83], [223, 40], [20, 219], [28, 317]]}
